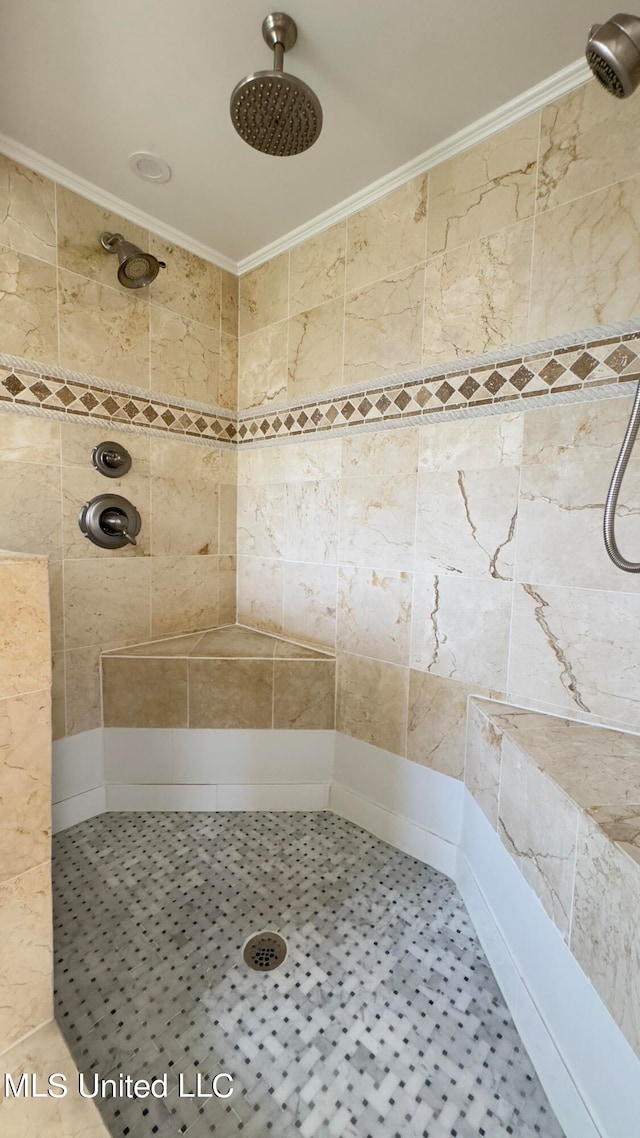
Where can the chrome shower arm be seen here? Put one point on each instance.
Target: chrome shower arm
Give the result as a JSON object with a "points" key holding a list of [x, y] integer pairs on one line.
{"points": [[614, 490]]}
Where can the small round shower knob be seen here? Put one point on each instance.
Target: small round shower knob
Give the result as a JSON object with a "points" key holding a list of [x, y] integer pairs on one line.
{"points": [[111, 459], [110, 521]]}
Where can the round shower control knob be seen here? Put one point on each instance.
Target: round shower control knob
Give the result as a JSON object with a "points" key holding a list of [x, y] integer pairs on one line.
{"points": [[111, 459], [110, 521]]}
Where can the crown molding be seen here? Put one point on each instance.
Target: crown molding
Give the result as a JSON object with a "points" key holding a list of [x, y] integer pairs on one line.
{"points": [[532, 100], [78, 185]]}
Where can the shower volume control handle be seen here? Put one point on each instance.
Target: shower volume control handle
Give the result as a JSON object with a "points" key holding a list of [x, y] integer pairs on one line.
{"points": [[110, 521], [111, 459]]}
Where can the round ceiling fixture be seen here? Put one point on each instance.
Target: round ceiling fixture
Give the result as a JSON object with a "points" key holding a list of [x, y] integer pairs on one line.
{"points": [[149, 167]]}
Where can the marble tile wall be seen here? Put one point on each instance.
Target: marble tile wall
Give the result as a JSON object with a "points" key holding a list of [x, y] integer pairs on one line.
{"points": [[563, 797], [531, 234], [26, 944], [60, 303]]}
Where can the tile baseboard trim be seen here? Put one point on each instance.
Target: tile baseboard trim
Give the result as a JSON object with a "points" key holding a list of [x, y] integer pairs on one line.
{"points": [[214, 797], [588, 1070], [70, 811], [399, 832]]}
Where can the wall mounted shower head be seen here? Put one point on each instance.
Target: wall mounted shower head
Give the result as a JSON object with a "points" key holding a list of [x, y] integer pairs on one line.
{"points": [[274, 112], [613, 54], [135, 268]]}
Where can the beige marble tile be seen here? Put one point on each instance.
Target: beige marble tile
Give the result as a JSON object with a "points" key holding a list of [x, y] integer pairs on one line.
{"points": [[311, 527], [262, 366], [483, 757], [231, 693], [144, 693], [24, 627], [315, 350], [27, 211], [576, 649], [387, 235], [79, 439], [485, 188], [26, 953], [605, 933], [310, 602], [235, 643], [30, 510], [58, 696], [473, 444], [185, 356], [466, 522], [374, 613], [184, 594], [538, 826], [452, 618], [184, 499], [229, 303], [107, 602], [575, 432], [227, 519], [227, 585], [592, 765], [588, 140], [261, 520], [80, 225], [383, 327], [264, 295], [82, 686], [56, 605], [586, 262], [25, 438], [311, 459], [28, 306], [437, 722], [189, 285], [377, 521], [166, 648], [25, 783], [477, 296], [81, 485], [372, 701], [317, 272], [289, 650], [71, 1117], [304, 695], [380, 453], [228, 378], [621, 824], [560, 525], [103, 330], [261, 592]]}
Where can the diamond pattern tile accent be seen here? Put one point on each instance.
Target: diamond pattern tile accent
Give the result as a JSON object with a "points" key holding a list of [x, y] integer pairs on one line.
{"points": [[13, 384]]}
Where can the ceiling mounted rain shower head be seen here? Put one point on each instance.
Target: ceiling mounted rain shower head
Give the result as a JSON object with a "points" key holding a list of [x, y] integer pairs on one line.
{"points": [[273, 111], [135, 268], [613, 54]]}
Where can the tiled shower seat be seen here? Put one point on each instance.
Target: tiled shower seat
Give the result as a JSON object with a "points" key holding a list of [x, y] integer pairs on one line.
{"points": [[226, 677]]}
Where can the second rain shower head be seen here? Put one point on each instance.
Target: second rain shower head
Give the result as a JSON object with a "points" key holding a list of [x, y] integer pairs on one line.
{"points": [[135, 268], [613, 54], [273, 111]]}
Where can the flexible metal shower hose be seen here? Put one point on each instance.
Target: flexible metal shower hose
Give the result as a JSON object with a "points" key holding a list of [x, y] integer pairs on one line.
{"points": [[614, 490]]}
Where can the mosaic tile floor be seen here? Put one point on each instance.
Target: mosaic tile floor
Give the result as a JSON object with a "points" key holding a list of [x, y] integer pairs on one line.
{"points": [[384, 1021]]}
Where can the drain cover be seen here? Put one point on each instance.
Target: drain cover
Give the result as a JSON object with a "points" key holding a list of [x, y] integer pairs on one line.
{"points": [[264, 951]]}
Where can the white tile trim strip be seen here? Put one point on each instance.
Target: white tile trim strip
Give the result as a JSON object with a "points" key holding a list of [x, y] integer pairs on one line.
{"points": [[587, 1068], [532, 100]]}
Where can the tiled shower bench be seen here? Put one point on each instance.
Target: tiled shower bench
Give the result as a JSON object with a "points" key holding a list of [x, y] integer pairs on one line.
{"points": [[230, 677], [564, 798]]}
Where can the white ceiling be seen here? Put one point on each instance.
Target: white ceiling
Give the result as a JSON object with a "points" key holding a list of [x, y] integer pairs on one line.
{"points": [[86, 82]]}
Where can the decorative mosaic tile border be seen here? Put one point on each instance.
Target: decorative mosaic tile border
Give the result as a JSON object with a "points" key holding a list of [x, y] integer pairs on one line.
{"points": [[33, 388], [571, 367]]}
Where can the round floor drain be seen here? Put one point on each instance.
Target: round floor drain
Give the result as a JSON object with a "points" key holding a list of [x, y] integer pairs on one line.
{"points": [[264, 951]]}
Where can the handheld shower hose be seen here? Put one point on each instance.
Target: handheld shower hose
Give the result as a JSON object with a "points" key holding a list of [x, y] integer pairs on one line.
{"points": [[611, 504], [613, 54]]}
